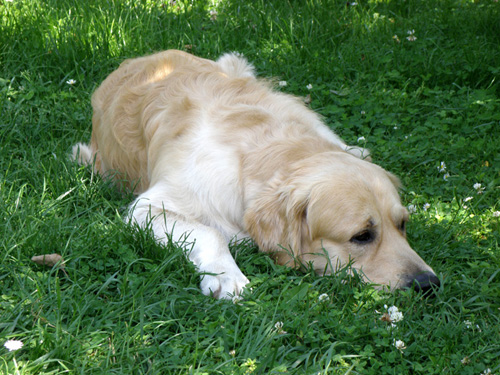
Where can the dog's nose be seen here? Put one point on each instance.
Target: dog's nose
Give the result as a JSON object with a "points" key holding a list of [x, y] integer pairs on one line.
{"points": [[425, 282]]}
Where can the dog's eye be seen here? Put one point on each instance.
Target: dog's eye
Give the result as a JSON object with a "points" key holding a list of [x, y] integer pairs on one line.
{"points": [[363, 237]]}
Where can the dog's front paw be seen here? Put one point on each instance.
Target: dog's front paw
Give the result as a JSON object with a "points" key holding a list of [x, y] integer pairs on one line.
{"points": [[225, 284]]}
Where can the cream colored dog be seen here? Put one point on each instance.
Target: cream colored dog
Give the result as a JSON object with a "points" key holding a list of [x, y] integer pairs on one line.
{"points": [[216, 155]]}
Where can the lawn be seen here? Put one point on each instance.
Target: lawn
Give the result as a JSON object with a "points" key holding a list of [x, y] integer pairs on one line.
{"points": [[417, 82]]}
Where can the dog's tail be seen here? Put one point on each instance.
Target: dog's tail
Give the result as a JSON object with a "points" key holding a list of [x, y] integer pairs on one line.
{"points": [[235, 65], [83, 154]]}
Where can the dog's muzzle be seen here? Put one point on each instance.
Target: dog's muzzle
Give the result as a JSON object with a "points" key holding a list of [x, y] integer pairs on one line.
{"points": [[427, 283]]}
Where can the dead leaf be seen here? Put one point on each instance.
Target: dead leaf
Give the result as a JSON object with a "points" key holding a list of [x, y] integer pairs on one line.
{"points": [[386, 318], [49, 260]]}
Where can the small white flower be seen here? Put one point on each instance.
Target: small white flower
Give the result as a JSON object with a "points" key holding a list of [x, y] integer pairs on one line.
{"points": [[282, 83], [394, 314], [496, 214], [71, 82], [361, 139], [465, 360], [279, 328], [445, 177], [213, 15], [468, 199], [410, 32], [399, 344], [426, 206], [309, 87], [13, 345], [442, 167], [487, 372], [323, 297], [479, 188], [411, 38], [396, 127], [468, 323], [237, 299], [412, 208]]}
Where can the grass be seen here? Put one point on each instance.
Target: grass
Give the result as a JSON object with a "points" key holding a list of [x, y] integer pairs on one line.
{"points": [[124, 305]]}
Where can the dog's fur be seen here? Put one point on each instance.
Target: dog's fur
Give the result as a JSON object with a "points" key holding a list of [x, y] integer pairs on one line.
{"points": [[215, 153]]}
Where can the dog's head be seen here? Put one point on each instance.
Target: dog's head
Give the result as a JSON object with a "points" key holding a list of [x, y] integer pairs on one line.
{"points": [[334, 209]]}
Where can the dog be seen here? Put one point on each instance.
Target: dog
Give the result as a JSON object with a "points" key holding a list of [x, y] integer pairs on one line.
{"points": [[216, 154]]}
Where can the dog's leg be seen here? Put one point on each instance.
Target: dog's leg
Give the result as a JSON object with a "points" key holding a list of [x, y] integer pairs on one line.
{"points": [[359, 152], [210, 252]]}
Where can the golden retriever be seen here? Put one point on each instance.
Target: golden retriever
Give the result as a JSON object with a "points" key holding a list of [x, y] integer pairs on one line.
{"points": [[216, 154]]}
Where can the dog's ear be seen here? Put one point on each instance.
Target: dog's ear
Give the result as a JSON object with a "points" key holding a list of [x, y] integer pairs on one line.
{"points": [[277, 222], [395, 180]]}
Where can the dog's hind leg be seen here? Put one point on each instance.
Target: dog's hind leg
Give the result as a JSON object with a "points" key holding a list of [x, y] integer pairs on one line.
{"points": [[209, 253]]}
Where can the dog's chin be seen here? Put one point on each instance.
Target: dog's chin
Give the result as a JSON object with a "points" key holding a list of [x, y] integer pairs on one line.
{"points": [[425, 282]]}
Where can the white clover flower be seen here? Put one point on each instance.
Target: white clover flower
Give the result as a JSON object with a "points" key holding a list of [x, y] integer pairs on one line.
{"points": [[309, 87], [479, 188], [487, 372], [282, 83], [71, 82], [426, 206], [13, 345], [496, 214], [396, 38], [411, 35], [323, 297], [412, 208], [237, 299], [279, 328], [399, 344], [442, 167], [394, 314], [361, 139]]}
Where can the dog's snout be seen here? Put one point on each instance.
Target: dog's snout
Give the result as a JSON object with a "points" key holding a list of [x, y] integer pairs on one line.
{"points": [[424, 282]]}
